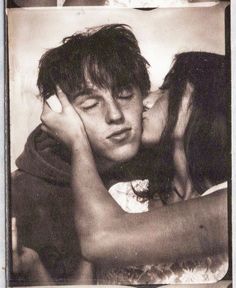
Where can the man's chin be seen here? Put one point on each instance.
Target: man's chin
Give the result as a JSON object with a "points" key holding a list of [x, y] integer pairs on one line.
{"points": [[124, 154], [109, 158]]}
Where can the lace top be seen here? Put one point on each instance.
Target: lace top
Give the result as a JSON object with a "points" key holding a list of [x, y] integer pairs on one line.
{"points": [[206, 270]]}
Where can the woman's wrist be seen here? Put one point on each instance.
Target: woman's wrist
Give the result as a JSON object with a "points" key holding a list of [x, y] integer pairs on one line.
{"points": [[80, 144], [76, 139]]}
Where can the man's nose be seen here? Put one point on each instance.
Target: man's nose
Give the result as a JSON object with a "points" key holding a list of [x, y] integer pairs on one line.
{"points": [[114, 113]]}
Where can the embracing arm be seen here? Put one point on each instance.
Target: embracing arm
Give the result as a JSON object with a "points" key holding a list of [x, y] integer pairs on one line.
{"points": [[108, 234], [192, 228]]}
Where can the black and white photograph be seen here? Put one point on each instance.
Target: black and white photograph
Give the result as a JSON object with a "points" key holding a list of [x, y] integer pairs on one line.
{"points": [[119, 144]]}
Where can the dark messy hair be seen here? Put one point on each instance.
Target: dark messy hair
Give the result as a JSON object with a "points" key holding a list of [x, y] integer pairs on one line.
{"points": [[206, 140], [108, 56]]}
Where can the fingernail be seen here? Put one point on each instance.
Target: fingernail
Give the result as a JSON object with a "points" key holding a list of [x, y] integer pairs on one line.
{"points": [[59, 89]]}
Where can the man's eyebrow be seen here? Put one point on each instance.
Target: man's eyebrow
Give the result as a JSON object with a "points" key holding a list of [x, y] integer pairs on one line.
{"points": [[87, 92]]}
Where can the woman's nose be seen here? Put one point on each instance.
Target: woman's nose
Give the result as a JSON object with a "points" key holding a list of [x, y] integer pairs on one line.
{"points": [[150, 100]]}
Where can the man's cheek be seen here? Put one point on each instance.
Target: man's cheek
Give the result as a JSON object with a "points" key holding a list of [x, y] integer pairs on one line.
{"points": [[88, 123], [95, 136], [89, 130]]}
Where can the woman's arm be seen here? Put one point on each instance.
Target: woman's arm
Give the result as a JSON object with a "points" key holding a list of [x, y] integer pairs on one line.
{"points": [[108, 234], [184, 230]]}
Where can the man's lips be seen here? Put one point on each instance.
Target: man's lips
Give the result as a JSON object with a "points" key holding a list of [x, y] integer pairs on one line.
{"points": [[119, 133]]}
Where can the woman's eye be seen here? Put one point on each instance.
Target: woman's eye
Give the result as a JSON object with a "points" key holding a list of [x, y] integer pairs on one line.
{"points": [[89, 104]]}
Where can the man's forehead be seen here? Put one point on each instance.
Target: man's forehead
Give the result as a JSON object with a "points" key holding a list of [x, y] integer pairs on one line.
{"points": [[84, 89], [88, 91], [92, 89]]}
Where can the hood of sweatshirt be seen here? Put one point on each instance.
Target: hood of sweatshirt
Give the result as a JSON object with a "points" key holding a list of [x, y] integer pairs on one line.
{"points": [[46, 158]]}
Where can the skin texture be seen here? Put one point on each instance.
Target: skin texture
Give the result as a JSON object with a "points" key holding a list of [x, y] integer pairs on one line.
{"points": [[155, 116], [104, 114], [107, 232], [154, 121], [110, 236]]}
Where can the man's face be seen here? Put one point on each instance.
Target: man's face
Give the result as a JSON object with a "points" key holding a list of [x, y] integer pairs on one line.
{"points": [[112, 122]]}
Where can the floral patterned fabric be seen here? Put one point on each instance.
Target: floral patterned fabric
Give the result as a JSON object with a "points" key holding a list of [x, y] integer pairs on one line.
{"points": [[206, 270]]}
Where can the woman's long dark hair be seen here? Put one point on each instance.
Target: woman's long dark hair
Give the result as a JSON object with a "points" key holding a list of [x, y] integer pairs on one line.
{"points": [[206, 140]]}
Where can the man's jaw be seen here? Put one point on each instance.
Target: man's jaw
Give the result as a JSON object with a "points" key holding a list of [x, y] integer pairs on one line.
{"points": [[103, 164]]}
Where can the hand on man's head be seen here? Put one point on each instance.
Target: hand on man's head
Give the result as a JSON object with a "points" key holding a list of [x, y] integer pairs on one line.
{"points": [[67, 125]]}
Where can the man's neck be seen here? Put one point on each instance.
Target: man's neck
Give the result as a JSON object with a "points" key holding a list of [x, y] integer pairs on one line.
{"points": [[103, 165]]}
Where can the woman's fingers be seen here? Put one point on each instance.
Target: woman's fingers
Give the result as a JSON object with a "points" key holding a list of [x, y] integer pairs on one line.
{"points": [[54, 103], [48, 131], [43, 116], [44, 128], [46, 108], [66, 126], [45, 112], [63, 98]]}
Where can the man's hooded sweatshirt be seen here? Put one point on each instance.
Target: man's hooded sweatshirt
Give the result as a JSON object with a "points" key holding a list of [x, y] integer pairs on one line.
{"points": [[42, 202]]}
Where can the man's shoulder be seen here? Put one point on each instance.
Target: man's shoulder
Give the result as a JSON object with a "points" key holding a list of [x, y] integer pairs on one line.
{"points": [[18, 175], [24, 188], [27, 187], [20, 180]]}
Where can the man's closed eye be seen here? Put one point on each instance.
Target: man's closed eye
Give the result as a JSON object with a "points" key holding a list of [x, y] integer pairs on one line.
{"points": [[89, 104], [125, 95]]}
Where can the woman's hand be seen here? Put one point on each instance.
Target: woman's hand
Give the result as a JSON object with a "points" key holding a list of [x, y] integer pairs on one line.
{"points": [[67, 125]]}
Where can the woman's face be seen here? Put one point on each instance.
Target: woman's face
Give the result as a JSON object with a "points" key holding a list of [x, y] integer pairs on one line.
{"points": [[154, 117]]}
